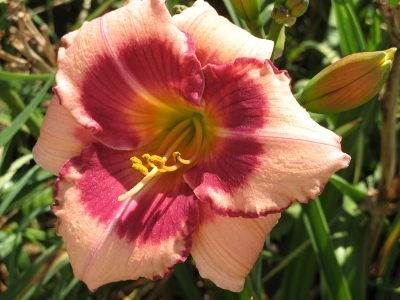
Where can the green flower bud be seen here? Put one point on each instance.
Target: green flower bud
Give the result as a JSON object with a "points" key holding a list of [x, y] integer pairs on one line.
{"points": [[178, 9], [248, 10], [297, 7], [348, 83], [279, 2], [281, 15]]}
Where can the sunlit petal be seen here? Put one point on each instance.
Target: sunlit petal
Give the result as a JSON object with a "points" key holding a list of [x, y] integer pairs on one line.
{"points": [[60, 138], [267, 152], [218, 41], [110, 240], [120, 69], [225, 249]]}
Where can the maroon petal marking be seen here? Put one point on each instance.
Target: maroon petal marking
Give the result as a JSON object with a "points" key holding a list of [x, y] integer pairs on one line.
{"points": [[108, 240], [266, 151], [123, 72]]}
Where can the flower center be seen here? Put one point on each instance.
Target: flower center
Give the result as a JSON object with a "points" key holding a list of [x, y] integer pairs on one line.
{"points": [[186, 128]]}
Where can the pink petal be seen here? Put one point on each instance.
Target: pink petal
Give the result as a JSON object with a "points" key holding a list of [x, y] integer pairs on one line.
{"points": [[267, 152], [218, 41], [60, 138], [225, 249], [109, 240], [122, 72]]}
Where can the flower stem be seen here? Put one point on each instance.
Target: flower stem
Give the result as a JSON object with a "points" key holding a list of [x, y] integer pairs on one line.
{"points": [[273, 35]]}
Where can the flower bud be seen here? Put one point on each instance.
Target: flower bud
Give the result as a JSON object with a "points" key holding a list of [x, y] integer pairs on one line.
{"points": [[178, 9], [248, 10], [348, 83], [281, 15], [279, 2], [297, 7]]}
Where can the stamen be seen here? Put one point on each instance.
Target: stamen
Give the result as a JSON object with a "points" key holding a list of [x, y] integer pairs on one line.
{"points": [[156, 161], [173, 133], [138, 165], [177, 156], [142, 169], [168, 147], [197, 144], [138, 186], [135, 160], [177, 142]]}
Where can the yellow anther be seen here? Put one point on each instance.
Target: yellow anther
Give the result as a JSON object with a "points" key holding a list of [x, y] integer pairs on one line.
{"points": [[157, 161], [177, 158], [146, 156], [142, 169], [187, 131], [135, 160], [154, 160]]}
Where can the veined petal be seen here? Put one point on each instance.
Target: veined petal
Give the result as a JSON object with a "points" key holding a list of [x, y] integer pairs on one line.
{"points": [[225, 249], [110, 240], [121, 73], [267, 152], [218, 41], [60, 138]]}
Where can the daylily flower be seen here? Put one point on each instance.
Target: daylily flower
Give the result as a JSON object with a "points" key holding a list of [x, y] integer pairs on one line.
{"points": [[174, 136]]}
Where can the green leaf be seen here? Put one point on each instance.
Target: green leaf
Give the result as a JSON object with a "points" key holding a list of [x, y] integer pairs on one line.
{"points": [[393, 3], [375, 31], [20, 120], [347, 188], [348, 127], [285, 262], [318, 230], [387, 258], [17, 76], [12, 260], [18, 163], [18, 288], [351, 37], [299, 274], [186, 282], [67, 291], [59, 263], [255, 276], [232, 13], [330, 54], [13, 100], [17, 188]]}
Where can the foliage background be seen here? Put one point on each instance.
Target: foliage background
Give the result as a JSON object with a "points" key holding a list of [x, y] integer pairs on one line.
{"points": [[344, 245]]}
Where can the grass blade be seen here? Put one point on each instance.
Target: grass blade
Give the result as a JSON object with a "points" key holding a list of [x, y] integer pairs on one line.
{"points": [[317, 228], [19, 287], [17, 188], [186, 282], [351, 37], [346, 188], [19, 121], [18, 76]]}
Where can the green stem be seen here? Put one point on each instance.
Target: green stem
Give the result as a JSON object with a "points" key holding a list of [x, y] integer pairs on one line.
{"points": [[256, 28], [273, 34]]}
